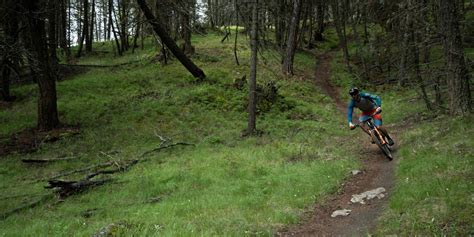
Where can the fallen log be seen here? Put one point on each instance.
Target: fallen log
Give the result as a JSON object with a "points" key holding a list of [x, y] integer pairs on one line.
{"points": [[167, 146], [99, 66], [46, 160], [103, 165], [66, 188]]}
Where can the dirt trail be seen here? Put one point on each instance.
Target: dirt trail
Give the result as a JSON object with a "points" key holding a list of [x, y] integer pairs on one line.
{"points": [[377, 172]]}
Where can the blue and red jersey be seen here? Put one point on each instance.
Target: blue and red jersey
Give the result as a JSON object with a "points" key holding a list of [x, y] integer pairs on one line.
{"points": [[367, 104]]}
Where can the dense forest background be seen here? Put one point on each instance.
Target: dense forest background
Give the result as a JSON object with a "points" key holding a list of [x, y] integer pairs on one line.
{"points": [[396, 39], [101, 82]]}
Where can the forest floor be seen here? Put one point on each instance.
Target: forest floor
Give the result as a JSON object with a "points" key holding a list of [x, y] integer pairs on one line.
{"points": [[376, 172]]}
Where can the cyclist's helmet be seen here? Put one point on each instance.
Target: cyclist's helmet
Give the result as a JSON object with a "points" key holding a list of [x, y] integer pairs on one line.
{"points": [[354, 91]]}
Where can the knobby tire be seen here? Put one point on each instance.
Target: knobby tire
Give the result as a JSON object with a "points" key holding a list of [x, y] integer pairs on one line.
{"points": [[385, 149]]}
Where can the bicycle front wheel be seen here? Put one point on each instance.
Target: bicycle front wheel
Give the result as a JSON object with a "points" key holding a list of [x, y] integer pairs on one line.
{"points": [[384, 147]]}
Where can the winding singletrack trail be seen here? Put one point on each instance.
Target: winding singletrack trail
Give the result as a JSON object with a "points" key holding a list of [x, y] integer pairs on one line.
{"points": [[377, 172]]}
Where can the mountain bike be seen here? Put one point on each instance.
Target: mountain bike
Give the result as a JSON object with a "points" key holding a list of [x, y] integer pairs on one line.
{"points": [[377, 136]]}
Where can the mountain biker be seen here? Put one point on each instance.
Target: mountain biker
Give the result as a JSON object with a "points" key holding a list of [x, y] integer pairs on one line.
{"points": [[370, 106]]}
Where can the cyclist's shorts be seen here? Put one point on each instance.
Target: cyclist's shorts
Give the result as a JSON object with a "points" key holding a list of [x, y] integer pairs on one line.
{"points": [[377, 118]]}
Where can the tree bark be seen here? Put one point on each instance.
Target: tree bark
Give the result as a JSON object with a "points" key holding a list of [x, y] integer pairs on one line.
{"points": [[252, 106], [64, 29], [137, 32], [320, 12], [280, 24], [111, 21], [292, 39], [236, 32], [52, 39], [187, 47], [47, 108], [458, 79], [85, 27], [90, 35], [340, 29], [190, 66]]}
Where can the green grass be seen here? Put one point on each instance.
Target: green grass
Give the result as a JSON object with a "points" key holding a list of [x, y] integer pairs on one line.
{"points": [[434, 180], [225, 185]]}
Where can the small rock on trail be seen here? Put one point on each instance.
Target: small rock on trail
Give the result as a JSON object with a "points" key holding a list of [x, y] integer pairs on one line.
{"points": [[359, 198], [343, 212]]}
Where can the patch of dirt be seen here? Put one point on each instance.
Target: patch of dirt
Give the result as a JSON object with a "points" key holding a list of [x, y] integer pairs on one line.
{"points": [[323, 80], [29, 140], [377, 172]]}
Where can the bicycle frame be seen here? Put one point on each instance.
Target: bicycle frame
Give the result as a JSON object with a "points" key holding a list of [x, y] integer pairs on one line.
{"points": [[376, 135], [372, 128]]}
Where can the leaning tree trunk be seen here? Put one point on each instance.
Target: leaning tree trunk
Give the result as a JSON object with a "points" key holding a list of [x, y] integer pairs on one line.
{"points": [[47, 108], [252, 106], [292, 41], [166, 39], [111, 25], [458, 78]]}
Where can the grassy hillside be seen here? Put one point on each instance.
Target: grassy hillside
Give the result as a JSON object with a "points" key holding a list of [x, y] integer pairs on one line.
{"points": [[225, 184]]}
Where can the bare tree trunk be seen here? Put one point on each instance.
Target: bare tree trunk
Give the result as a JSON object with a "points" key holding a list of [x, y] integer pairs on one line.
{"points": [[458, 79], [137, 32], [301, 35], [405, 25], [109, 21], [64, 29], [280, 24], [340, 29], [90, 36], [252, 106], [192, 68], [210, 8], [416, 63], [47, 108], [162, 13], [187, 48], [320, 12], [111, 11], [123, 17], [52, 42], [85, 28], [292, 39], [236, 31]]}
